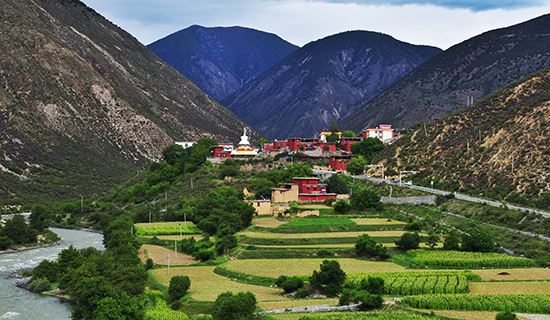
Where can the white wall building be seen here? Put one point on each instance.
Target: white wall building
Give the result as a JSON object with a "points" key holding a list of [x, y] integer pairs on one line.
{"points": [[186, 144], [384, 132]]}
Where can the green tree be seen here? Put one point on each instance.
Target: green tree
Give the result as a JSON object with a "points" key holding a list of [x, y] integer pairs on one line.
{"points": [[368, 301], [329, 279], [289, 284], [173, 153], [476, 240], [408, 241], [367, 148], [46, 269], [260, 142], [432, 239], [373, 285], [19, 231], [229, 306], [261, 187], [365, 246], [337, 183], [5, 242], [342, 207], [122, 306], [178, 287], [348, 134], [40, 285], [452, 242], [357, 165], [505, 315], [230, 168], [363, 198]]}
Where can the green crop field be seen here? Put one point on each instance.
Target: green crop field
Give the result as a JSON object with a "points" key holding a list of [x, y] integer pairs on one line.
{"points": [[313, 235], [460, 259], [482, 302], [166, 228], [318, 221], [378, 315]]}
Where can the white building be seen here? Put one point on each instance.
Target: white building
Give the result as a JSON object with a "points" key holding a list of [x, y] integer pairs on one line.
{"points": [[186, 144], [384, 132]]}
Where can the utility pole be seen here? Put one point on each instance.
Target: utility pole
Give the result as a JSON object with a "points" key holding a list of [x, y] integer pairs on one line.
{"points": [[512, 163], [180, 230], [399, 180], [149, 216], [132, 230], [191, 183], [479, 132], [467, 146], [169, 273], [176, 247], [425, 131], [81, 202]]}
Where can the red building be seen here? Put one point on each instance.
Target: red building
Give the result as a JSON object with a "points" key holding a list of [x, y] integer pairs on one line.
{"points": [[310, 190], [345, 143], [328, 147], [339, 163], [222, 150]]}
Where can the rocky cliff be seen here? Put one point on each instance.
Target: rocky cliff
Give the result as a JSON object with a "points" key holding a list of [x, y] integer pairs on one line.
{"points": [[324, 81], [83, 103]]}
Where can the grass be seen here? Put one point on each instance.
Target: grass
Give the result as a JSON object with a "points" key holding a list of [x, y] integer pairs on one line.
{"points": [[160, 255], [514, 274], [514, 287], [373, 315], [318, 221], [267, 222], [206, 285], [272, 305], [377, 221], [352, 234], [166, 228], [308, 241], [176, 237], [300, 267]]}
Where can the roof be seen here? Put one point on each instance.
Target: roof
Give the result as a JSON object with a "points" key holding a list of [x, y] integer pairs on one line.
{"points": [[305, 178]]}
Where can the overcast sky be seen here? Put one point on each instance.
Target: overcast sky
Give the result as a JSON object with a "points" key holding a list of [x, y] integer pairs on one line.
{"points": [[440, 23]]}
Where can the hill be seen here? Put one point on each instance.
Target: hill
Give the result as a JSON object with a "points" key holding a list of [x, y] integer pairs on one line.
{"points": [[499, 147], [83, 104], [325, 80], [221, 60], [473, 68]]}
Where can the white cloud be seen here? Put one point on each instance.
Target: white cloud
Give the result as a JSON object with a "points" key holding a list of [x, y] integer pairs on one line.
{"points": [[301, 21]]}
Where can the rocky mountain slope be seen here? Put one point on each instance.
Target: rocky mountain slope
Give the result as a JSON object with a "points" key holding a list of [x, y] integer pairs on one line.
{"points": [[473, 68], [324, 81], [83, 103], [498, 147], [221, 60]]}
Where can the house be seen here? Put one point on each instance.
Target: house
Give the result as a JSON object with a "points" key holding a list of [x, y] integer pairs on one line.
{"points": [[324, 135], [339, 162], [285, 193], [262, 207], [186, 144], [310, 190], [384, 132], [346, 143], [222, 150]]}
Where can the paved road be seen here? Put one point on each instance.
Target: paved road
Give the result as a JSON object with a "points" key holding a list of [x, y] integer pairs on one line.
{"points": [[459, 196]]}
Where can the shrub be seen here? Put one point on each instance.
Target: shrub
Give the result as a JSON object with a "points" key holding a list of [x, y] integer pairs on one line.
{"points": [[229, 306], [373, 285], [149, 264], [476, 240], [432, 239], [408, 241], [368, 301], [329, 201], [40, 285], [179, 285], [452, 242], [324, 254], [5, 242], [357, 165], [367, 247], [415, 226], [301, 293], [342, 206], [506, 315], [336, 183], [363, 198], [289, 284], [329, 279], [204, 254]]}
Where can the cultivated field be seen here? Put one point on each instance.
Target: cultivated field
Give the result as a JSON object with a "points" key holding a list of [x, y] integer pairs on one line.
{"points": [[166, 228], [461, 259], [267, 222], [514, 274], [376, 221], [514, 287], [175, 237], [160, 255], [276, 267], [352, 234], [272, 305]]}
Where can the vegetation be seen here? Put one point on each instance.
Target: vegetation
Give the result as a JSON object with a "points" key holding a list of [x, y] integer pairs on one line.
{"points": [[329, 279], [229, 306], [338, 183], [179, 285], [367, 247], [289, 284], [357, 165], [379, 315], [367, 148], [505, 315], [408, 241], [363, 198], [166, 228], [460, 259], [16, 233]]}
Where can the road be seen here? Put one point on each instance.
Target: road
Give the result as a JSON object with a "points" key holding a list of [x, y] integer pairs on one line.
{"points": [[459, 196]]}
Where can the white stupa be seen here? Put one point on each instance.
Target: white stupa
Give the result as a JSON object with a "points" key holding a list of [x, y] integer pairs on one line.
{"points": [[245, 148]]}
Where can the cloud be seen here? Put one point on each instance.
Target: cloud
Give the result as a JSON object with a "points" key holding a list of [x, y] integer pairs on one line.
{"points": [[439, 23]]}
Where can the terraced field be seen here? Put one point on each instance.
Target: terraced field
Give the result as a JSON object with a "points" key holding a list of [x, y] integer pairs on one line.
{"points": [[161, 255], [514, 287], [514, 274], [166, 228], [325, 235]]}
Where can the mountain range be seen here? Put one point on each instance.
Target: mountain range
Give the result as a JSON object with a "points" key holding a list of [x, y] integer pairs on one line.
{"points": [[83, 104], [498, 147], [221, 60], [474, 68], [324, 81]]}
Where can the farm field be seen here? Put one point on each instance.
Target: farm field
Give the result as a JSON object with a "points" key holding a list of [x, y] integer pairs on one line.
{"points": [[376, 221], [160, 255], [461, 259], [351, 244], [272, 305], [318, 221], [267, 222], [373, 315], [206, 285], [513, 287], [295, 267], [514, 274], [467, 315], [350, 234], [166, 228], [175, 237]]}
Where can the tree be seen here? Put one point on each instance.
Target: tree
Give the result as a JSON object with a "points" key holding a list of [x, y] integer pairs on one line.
{"points": [[260, 142], [121, 306], [363, 198], [365, 246], [19, 231], [368, 301], [367, 148], [329, 279], [225, 243], [149, 264], [476, 240], [229, 168], [229, 306], [452, 242], [289, 284], [505, 315], [173, 153], [39, 285], [373, 285], [46, 269], [178, 287], [342, 206], [261, 187], [5, 242], [408, 241], [432, 239], [336, 183], [357, 165], [348, 134]]}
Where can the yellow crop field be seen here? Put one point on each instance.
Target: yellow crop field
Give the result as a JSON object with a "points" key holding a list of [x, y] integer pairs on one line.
{"points": [[293, 267], [368, 221], [466, 315], [160, 255], [267, 222], [513, 287], [269, 235], [514, 274], [206, 285], [272, 305], [176, 237], [309, 246]]}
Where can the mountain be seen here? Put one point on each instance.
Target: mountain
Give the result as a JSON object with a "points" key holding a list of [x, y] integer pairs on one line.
{"points": [[83, 104], [324, 81], [475, 67], [498, 147], [221, 60]]}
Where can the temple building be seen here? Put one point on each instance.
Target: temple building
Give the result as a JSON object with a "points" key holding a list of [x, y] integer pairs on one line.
{"points": [[244, 149]]}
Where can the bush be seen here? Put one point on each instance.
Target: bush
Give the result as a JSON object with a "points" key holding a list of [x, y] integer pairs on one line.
{"points": [[367, 247], [408, 241], [289, 284], [506, 315], [149, 264], [363, 198], [329, 279], [452, 242], [368, 301], [357, 165], [415, 226], [301, 293], [324, 254], [373, 285], [336, 183], [329, 202], [229, 306], [5, 242], [204, 254], [342, 207], [179, 285], [40, 285], [475, 240]]}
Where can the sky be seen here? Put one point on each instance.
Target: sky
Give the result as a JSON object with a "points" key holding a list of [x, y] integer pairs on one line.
{"points": [[440, 23]]}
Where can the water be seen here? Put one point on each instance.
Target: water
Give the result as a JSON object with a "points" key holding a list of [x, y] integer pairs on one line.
{"points": [[20, 304]]}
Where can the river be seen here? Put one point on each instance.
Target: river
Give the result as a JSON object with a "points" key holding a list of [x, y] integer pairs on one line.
{"points": [[20, 304]]}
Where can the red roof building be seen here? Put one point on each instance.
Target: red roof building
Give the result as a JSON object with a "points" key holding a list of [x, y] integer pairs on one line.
{"points": [[310, 190], [339, 163]]}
